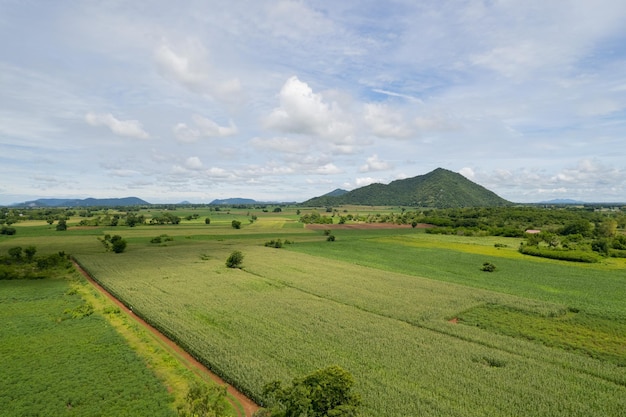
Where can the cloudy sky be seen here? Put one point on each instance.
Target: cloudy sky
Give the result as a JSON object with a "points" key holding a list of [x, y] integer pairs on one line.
{"points": [[286, 100]]}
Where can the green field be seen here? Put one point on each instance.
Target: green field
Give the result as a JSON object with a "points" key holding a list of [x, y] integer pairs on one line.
{"points": [[410, 315], [56, 365]]}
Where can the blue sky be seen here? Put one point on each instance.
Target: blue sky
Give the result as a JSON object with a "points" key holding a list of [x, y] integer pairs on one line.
{"points": [[287, 100]]}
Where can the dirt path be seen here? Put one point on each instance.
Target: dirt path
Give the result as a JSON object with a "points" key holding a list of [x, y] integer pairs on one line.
{"points": [[189, 361]]}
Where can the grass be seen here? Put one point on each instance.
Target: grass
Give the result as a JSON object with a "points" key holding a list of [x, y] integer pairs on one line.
{"points": [[597, 337], [377, 303], [49, 358]]}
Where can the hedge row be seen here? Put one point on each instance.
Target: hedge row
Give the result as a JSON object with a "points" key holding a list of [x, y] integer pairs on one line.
{"points": [[563, 255]]}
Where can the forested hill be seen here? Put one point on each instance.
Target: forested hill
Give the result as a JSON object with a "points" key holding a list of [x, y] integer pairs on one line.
{"points": [[438, 189]]}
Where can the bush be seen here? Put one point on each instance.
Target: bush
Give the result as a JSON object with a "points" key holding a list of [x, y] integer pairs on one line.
{"points": [[330, 238], [236, 224], [7, 230], [235, 259], [274, 243], [488, 267], [563, 255]]}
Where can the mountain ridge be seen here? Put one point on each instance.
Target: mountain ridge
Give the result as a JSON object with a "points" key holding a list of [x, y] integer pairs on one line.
{"points": [[85, 202], [439, 188]]}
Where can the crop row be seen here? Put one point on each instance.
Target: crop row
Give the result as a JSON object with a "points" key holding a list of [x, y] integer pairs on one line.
{"points": [[286, 314]]}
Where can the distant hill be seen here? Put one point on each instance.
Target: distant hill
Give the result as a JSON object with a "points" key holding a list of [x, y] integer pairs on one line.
{"points": [[87, 202], [438, 189], [233, 201], [335, 193]]}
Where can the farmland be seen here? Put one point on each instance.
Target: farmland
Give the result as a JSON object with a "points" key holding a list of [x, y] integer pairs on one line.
{"points": [[423, 330], [56, 363]]}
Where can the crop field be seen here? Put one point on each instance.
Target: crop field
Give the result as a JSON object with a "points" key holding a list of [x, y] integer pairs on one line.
{"points": [[422, 329], [54, 364]]}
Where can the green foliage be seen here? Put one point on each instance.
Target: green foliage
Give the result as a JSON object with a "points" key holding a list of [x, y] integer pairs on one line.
{"points": [[488, 267], [30, 252], [5, 230], [330, 238], [204, 400], [234, 260], [55, 366], [315, 218], [165, 218], [440, 188], [15, 253], [568, 329], [274, 243], [236, 224], [207, 221], [560, 254], [61, 225], [113, 243], [161, 239], [324, 393]]}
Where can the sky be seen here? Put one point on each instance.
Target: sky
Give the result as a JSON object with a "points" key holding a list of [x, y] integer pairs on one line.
{"points": [[285, 100]]}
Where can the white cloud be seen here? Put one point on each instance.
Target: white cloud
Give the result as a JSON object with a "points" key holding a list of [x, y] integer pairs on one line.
{"points": [[203, 127], [190, 67], [328, 169], [193, 163], [129, 128], [363, 181], [304, 112], [281, 144], [375, 164], [386, 122]]}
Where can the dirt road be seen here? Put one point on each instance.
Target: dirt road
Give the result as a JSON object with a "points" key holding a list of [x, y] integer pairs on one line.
{"points": [[189, 361]]}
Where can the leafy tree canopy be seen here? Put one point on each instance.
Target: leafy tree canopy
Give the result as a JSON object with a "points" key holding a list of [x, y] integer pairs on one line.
{"points": [[324, 393]]}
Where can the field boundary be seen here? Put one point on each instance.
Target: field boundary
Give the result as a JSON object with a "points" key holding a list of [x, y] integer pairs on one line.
{"points": [[245, 403]]}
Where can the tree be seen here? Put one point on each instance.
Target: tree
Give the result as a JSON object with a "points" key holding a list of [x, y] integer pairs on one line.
{"points": [[118, 245], [62, 225], [207, 221], [204, 401], [323, 393], [30, 252], [236, 224], [16, 253], [114, 243], [235, 259], [488, 267]]}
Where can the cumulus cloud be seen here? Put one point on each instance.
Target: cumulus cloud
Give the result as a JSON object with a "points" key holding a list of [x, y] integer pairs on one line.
{"points": [[203, 127], [363, 181], [189, 66], [304, 112], [193, 163], [386, 122], [375, 164], [328, 169], [281, 144], [129, 128]]}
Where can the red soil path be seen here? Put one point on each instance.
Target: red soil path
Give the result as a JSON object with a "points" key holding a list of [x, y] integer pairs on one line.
{"points": [[189, 361]]}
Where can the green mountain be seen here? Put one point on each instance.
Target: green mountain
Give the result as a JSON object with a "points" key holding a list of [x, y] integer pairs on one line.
{"points": [[438, 189]]}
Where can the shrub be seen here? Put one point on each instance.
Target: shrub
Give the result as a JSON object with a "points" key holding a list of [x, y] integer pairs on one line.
{"points": [[274, 243], [488, 267], [7, 230], [235, 259], [330, 238], [563, 255], [236, 224]]}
